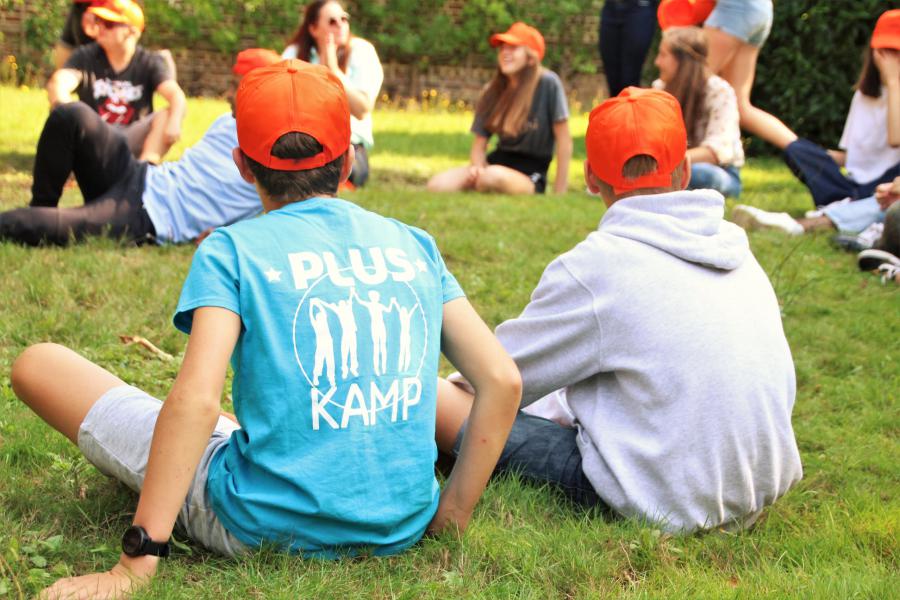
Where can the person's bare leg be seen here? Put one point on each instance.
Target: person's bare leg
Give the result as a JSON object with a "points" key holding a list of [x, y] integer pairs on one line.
{"points": [[503, 180], [454, 180], [739, 72], [816, 223], [155, 146], [722, 48], [453, 407], [59, 385]]}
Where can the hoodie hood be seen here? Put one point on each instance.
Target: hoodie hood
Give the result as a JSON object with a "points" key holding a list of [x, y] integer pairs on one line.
{"points": [[687, 224]]}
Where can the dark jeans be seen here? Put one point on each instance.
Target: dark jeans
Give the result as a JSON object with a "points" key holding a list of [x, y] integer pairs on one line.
{"points": [[818, 171], [542, 451], [76, 140], [626, 31], [360, 173]]}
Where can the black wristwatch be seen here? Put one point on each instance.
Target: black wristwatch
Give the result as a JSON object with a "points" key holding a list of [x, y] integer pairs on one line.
{"points": [[136, 542]]}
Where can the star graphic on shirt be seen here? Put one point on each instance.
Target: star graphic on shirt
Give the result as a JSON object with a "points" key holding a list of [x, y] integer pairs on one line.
{"points": [[420, 264], [272, 275]]}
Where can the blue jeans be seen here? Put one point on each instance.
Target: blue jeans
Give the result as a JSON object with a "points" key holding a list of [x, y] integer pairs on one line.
{"points": [[817, 170], [542, 451], [855, 216], [707, 176], [626, 31]]}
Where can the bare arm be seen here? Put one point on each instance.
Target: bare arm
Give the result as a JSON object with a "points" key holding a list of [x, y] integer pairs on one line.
{"points": [[478, 153], [888, 63], [174, 95], [888, 193], [61, 85], [61, 54], [838, 156], [563, 156], [473, 349], [182, 432]]}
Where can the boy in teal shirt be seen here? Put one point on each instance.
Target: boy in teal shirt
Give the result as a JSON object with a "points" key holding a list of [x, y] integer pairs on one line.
{"points": [[333, 319]]}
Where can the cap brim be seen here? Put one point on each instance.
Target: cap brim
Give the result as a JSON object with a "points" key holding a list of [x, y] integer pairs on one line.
{"points": [[505, 38], [887, 40], [107, 15]]}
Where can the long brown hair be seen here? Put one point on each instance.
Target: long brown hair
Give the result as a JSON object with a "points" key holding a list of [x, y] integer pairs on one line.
{"points": [[869, 82], [504, 107], [689, 46], [305, 41]]}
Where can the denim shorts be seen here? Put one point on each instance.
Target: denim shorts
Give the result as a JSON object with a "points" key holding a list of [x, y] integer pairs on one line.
{"points": [[115, 437], [543, 451], [854, 216], [747, 20]]}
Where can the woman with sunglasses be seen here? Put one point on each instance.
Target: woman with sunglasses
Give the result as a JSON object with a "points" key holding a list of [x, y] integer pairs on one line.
{"points": [[324, 37], [525, 106], [116, 77]]}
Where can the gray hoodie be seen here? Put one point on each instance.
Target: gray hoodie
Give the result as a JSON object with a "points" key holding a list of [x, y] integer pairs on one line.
{"points": [[666, 337]]}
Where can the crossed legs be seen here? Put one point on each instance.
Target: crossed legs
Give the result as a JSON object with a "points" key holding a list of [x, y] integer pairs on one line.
{"points": [[491, 179]]}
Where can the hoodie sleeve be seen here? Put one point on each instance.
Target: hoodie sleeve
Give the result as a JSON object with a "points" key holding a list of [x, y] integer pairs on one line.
{"points": [[556, 340]]}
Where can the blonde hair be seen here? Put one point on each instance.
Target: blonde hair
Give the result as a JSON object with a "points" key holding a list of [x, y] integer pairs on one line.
{"points": [[505, 108]]}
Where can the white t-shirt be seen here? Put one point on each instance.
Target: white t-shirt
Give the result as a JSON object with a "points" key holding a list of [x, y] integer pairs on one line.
{"points": [[865, 138], [365, 74]]}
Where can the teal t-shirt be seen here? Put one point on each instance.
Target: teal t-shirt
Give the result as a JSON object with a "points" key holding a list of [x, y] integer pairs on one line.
{"points": [[335, 375]]}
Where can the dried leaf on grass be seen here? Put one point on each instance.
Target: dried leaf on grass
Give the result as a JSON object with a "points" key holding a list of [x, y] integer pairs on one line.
{"points": [[147, 345]]}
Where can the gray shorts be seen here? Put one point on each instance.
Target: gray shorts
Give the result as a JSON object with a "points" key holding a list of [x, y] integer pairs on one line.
{"points": [[115, 437], [748, 20], [543, 451]]}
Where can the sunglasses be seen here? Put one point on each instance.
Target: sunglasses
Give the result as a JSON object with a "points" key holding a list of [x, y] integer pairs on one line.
{"points": [[334, 21]]}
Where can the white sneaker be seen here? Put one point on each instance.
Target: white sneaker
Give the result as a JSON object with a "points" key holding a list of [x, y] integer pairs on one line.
{"points": [[750, 217], [820, 211], [871, 259]]}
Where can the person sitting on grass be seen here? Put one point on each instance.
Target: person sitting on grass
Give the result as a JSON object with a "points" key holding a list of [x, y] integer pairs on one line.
{"points": [[884, 256], [870, 144], [862, 219], [117, 78], [324, 462], [525, 106], [710, 110], [663, 335], [123, 198]]}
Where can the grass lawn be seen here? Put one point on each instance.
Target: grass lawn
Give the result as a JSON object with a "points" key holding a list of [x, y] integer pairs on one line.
{"points": [[835, 535]]}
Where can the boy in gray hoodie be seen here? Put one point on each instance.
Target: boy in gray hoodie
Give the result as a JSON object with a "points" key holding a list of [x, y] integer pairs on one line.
{"points": [[660, 337]]}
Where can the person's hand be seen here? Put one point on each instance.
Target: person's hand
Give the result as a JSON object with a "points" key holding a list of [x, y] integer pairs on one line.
{"points": [[888, 63], [119, 582], [329, 53], [172, 132], [449, 517], [888, 193], [475, 171]]}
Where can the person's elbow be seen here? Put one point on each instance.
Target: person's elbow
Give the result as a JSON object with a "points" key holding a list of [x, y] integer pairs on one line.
{"points": [[504, 377], [198, 405]]}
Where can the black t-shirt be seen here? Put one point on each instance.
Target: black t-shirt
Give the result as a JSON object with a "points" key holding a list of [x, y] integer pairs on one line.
{"points": [[72, 34], [549, 106], [119, 98]]}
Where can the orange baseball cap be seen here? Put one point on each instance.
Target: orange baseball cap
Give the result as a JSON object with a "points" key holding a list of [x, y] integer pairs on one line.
{"points": [[252, 58], [119, 11], [637, 121], [520, 34], [683, 13], [292, 96], [887, 30]]}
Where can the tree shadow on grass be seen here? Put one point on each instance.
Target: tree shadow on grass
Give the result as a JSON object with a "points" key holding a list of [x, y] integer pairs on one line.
{"points": [[12, 161]]}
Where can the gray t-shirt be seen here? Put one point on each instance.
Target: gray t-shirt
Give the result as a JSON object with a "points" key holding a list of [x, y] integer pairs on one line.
{"points": [[549, 106]]}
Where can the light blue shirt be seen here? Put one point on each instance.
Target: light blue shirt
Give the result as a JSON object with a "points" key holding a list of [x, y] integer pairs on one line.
{"points": [[202, 189], [335, 376]]}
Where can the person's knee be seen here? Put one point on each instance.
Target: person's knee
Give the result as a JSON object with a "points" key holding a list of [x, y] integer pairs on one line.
{"points": [[70, 112], [30, 366], [488, 180]]}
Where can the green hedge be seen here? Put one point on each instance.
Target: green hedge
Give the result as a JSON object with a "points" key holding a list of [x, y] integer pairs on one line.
{"points": [[805, 76]]}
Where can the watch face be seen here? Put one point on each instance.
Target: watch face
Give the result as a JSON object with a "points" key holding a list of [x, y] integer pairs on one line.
{"points": [[132, 541]]}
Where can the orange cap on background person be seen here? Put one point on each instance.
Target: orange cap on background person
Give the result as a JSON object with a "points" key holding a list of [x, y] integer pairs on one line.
{"points": [[520, 34], [683, 13], [287, 97], [887, 30], [253, 58], [119, 11], [637, 121]]}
